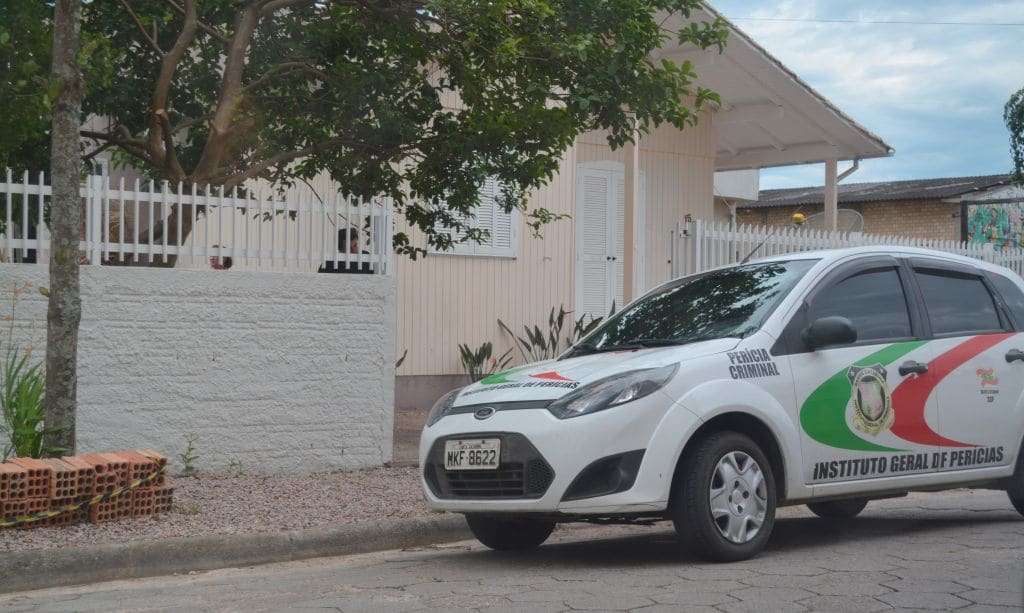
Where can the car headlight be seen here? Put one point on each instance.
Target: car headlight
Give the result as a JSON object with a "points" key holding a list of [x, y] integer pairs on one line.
{"points": [[442, 406], [612, 391]]}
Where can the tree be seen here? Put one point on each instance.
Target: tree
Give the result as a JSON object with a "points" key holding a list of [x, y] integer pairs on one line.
{"points": [[25, 41], [65, 307], [1014, 117], [419, 100]]}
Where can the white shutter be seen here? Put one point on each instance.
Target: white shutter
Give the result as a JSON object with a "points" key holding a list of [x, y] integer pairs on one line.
{"points": [[489, 216], [594, 188]]}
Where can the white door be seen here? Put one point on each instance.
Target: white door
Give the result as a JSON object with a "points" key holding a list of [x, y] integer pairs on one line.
{"points": [[600, 202]]}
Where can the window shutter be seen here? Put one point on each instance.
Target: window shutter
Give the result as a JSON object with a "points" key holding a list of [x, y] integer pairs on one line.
{"points": [[499, 225]]}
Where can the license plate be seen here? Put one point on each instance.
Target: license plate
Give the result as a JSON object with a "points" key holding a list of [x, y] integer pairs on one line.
{"points": [[472, 454]]}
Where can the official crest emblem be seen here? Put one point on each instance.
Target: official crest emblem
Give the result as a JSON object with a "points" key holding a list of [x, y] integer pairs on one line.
{"points": [[870, 399]]}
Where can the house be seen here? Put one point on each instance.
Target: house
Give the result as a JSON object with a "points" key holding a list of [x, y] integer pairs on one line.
{"points": [[985, 209], [622, 205]]}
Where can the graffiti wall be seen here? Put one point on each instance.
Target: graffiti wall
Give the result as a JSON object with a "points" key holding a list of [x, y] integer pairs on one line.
{"points": [[1001, 225]]}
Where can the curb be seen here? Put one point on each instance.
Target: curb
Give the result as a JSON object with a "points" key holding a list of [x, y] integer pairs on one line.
{"points": [[38, 569]]}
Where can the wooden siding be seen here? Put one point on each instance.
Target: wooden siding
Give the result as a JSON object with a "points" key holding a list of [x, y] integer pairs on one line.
{"points": [[444, 300]]}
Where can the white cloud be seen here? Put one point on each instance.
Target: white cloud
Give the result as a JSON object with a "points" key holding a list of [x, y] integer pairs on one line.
{"points": [[934, 92]]}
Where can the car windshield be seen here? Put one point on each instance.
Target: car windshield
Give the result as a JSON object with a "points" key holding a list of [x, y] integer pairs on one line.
{"points": [[732, 302]]}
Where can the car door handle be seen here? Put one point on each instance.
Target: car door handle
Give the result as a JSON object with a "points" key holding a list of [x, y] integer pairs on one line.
{"points": [[1015, 355], [911, 366]]}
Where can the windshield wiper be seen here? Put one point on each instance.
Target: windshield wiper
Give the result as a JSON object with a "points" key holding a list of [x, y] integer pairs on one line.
{"points": [[643, 343]]}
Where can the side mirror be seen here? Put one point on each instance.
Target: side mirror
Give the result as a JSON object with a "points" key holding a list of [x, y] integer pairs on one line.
{"points": [[827, 331]]}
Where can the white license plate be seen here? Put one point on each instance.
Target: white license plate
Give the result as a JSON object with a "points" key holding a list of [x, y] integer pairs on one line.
{"points": [[472, 454]]}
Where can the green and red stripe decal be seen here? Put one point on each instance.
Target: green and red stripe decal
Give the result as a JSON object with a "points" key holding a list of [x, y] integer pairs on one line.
{"points": [[823, 414]]}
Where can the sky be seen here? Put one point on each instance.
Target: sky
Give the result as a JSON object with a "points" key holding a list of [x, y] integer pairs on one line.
{"points": [[935, 93]]}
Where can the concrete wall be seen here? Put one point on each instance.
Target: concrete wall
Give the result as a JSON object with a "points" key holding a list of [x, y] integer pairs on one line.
{"points": [[280, 372]]}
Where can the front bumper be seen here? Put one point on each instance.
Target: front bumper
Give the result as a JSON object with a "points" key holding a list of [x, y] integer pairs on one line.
{"points": [[534, 439]]}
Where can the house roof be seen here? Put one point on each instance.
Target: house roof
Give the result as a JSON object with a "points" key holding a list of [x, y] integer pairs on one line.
{"points": [[769, 115], [886, 191]]}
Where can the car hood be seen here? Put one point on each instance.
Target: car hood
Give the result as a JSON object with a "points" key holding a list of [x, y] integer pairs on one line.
{"points": [[553, 379]]}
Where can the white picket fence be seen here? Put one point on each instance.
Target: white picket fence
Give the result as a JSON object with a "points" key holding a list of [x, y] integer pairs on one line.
{"points": [[702, 245], [258, 228]]}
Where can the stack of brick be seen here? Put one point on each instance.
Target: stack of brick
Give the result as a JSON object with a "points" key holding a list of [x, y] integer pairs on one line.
{"points": [[133, 481]]}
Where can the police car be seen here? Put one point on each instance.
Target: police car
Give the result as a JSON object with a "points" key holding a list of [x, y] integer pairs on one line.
{"points": [[824, 378]]}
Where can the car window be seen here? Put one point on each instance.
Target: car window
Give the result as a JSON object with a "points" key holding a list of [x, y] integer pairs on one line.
{"points": [[957, 303], [731, 302], [873, 300], [1013, 296]]}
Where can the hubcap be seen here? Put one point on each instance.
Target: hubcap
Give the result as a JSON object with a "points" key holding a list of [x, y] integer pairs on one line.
{"points": [[739, 497]]}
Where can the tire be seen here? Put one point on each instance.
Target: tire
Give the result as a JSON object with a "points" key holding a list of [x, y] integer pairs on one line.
{"points": [[701, 476], [509, 533], [838, 509]]}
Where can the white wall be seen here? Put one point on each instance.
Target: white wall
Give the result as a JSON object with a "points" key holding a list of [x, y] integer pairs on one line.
{"points": [[283, 372]]}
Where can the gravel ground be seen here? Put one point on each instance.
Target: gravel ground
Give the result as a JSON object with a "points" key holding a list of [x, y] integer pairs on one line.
{"points": [[207, 505]]}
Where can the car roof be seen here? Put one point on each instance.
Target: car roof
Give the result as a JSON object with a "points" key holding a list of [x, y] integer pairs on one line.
{"points": [[832, 255]]}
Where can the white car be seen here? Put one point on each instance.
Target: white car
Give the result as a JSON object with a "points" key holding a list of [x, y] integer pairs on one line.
{"points": [[826, 378]]}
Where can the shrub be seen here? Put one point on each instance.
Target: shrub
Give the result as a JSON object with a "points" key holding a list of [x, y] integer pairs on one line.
{"points": [[480, 363], [540, 345]]}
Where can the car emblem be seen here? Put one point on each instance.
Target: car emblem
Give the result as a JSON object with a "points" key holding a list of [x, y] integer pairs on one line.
{"points": [[484, 413]]}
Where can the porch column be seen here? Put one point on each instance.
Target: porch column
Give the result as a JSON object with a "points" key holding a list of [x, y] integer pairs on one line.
{"points": [[831, 194], [631, 188]]}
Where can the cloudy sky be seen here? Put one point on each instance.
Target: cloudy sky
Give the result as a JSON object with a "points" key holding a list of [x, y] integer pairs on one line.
{"points": [[934, 92]]}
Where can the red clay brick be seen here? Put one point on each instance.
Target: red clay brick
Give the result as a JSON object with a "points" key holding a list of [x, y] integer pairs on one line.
{"points": [[65, 478], [13, 482], [140, 467], [40, 477], [86, 475], [111, 510], [69, 517], [156, 456], [143, 501], [163, 497], [107, 479]]}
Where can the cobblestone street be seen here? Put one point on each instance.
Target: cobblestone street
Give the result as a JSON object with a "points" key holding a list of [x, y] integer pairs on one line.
{"points": [[953, 550]]}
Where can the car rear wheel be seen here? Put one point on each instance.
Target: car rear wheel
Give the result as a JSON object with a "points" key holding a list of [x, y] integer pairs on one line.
{"points": [[838, 509], [509, 533], [723, 504]]}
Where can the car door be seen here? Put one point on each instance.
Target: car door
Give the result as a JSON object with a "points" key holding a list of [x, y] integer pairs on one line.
{"points": [[844, 393], [978, 390]]}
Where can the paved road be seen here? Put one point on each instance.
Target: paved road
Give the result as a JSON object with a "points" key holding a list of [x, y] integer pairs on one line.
{"points": [[944, 551]]}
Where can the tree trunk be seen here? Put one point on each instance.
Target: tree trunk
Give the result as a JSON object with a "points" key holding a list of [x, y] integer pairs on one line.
{"points": [[65, 305]]}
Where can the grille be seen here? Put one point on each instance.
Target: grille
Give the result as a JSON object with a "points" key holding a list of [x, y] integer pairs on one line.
{"points": [[522, 473], [506, 482]]}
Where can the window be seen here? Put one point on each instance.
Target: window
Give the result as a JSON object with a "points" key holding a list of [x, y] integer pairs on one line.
{"points": [[1013, 296], [731, 302], [873, 300], [957, 303], [502, 227]]}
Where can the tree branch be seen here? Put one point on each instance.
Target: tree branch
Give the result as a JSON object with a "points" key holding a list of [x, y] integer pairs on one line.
{"points": [[283, 69], [162, 88], [230, 94], [142, 27], [212, 31], [133, 146]]}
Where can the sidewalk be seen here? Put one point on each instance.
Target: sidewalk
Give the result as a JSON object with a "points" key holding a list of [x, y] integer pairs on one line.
{"points": [[226, 505], [234, 521]]}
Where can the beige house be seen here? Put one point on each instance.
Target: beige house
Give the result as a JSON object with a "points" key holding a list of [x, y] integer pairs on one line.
{"points": [[592, 260]]}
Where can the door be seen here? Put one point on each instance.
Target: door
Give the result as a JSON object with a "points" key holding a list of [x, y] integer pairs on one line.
{"points": [[977, 389], [600, 203], [848, 404]]}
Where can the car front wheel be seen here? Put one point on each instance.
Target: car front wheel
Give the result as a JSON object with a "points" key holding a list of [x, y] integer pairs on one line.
{"points": [[724, 498], [838, 509], [509, 533]]}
